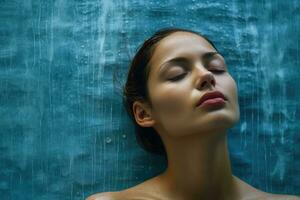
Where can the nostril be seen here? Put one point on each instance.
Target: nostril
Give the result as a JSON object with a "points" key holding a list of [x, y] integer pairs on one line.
{"points": [[206, 82], [207, 79]]}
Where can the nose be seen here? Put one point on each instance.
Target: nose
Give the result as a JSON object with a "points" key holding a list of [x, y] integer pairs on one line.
{"points": [[205, 79]]}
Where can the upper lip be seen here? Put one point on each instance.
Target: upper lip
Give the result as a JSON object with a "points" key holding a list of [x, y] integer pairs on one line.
{"points": [[211, 95]]}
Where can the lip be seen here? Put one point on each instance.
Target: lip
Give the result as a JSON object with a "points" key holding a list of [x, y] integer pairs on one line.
{"points": [[211, 95]]}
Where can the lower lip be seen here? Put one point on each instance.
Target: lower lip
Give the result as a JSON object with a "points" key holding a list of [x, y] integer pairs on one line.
{"points": [[213, 102]]}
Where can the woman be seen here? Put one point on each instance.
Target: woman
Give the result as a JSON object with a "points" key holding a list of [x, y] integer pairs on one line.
{"points": [[182, 99]]}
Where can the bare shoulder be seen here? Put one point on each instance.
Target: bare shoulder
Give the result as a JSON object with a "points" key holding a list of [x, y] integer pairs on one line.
{"points": [[270, 196], [104, 196], [144, 190], [261, 195], [251, 193], [126, 194]]}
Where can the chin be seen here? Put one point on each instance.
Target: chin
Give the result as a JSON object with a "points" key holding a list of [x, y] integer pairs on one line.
{"points": [[221, 123]]}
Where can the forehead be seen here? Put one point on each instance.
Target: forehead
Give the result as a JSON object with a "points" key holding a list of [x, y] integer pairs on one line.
{"points": [[179, 44]]}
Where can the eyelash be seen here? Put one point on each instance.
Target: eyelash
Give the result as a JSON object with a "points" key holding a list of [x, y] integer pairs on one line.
{"points": [[178, 77], [218, 71], [182, 75]]}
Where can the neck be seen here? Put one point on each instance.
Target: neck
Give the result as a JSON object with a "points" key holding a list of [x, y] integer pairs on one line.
{"points": [[199, 168]]}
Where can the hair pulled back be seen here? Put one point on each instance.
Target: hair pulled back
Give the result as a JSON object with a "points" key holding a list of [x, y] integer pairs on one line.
{"points": [[135, 88]]}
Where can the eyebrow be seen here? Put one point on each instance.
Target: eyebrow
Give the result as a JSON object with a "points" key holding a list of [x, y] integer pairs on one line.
{"points": [[166, 65]]}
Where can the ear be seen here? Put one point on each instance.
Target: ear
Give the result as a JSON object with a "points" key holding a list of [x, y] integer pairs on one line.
{"points": [[142, 114]]}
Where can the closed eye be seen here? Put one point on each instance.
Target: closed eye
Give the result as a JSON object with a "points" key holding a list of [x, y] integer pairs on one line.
{"points": [[178, 77], [181, 76], [218, 71]]}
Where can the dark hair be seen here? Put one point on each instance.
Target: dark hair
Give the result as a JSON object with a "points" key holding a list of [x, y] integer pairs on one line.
{"points": [[135, 88]]}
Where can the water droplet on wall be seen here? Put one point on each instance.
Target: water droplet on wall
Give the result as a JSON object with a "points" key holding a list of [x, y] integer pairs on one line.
{"points": [[108, 140]]}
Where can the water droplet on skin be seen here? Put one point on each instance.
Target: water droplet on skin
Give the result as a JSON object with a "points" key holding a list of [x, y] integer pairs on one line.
{"points": [[108, 140]]}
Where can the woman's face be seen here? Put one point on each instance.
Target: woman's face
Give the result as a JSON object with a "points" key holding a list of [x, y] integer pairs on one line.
{"points": [[175, 87]]}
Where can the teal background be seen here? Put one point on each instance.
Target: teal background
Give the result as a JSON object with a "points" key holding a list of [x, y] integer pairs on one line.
{"points": [[63, 131]]}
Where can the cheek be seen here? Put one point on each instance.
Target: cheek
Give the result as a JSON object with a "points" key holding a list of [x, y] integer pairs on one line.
{"points": [[170, 99], [228, 85], [234, 90], [232, 93]]}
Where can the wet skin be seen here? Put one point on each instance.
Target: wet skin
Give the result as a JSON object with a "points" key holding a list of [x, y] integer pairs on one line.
{"points": [[183, 68]]}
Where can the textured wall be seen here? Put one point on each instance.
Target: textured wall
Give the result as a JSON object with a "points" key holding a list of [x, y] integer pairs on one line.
{"points": [[63, 131]]}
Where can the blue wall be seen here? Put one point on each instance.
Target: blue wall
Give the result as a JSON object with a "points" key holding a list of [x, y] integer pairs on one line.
{"points": [[63, 131]]}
